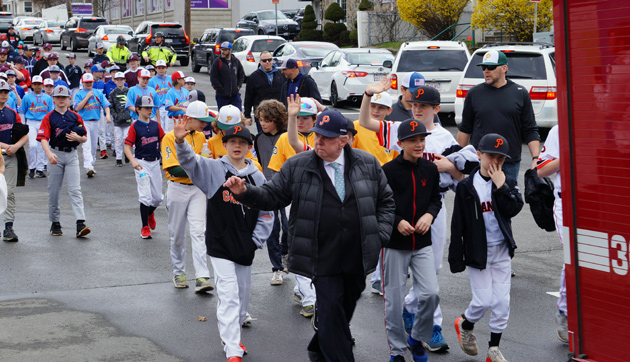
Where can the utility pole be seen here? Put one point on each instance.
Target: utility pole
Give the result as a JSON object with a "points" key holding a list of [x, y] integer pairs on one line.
{"points": [[69, 8], [187, 19]]}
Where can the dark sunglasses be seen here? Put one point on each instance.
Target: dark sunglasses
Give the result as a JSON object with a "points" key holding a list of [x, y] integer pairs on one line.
{"points": [[489, 67], [266, 60]]}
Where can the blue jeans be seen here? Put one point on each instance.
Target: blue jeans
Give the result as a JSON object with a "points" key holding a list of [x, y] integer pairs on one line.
{"points": [[511, 170], [276, 246], [235, 101]]}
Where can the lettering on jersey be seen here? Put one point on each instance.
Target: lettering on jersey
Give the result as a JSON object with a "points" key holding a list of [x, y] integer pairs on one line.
{"points": [[168, 152], [39, 109], [146, 140], [600, 251], [428, 156], [6, 126], [423, 182], [228, 197], [499, 143], [543, 149], [58, 131], [486, 206]]}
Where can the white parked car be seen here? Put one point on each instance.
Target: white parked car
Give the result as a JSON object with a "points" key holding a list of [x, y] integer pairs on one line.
{"points": [[248, 48], [48, 32], [26, 27], [441, 63], [343, 74], [531, 65], [107, 34]]}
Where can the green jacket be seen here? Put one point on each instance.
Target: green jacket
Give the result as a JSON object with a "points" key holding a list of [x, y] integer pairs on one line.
{"points": [[160, 52], [117, 55]]}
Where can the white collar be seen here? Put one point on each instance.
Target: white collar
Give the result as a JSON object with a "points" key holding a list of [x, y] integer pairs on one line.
{"points": [[340, 160]]}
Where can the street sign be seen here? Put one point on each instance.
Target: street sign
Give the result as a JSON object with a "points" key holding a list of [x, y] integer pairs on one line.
{"points": [[278, 2]]}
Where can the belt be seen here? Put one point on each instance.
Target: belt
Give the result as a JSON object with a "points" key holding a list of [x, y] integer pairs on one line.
{"points": [[92, 120], [149, 159], [181, 183], [64, 149]]}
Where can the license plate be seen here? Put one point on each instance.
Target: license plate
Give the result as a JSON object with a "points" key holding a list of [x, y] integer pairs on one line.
{"points": [[169, 40], [434, 85], [286, 34], [379, 77]]}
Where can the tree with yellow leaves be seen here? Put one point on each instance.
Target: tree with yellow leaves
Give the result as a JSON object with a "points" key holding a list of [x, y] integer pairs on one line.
{"points": [[432, 16], [514, 17]]}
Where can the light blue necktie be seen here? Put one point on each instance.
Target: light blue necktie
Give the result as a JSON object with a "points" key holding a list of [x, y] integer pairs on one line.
{"points": [[339, 183]]}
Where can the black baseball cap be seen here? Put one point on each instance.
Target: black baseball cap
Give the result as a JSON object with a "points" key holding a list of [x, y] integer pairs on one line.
{"points": [[351, 128], [425, 94], [196, 95], [238, 131], [410, 128], [330, 123], [494, 143]]}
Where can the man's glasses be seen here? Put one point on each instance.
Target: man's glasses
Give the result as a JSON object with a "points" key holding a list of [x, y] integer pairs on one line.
{"points": [[489, 67], [266, 60]]}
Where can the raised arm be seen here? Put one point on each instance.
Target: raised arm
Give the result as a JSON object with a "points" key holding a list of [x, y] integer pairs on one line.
{"points": [[365, 119]]}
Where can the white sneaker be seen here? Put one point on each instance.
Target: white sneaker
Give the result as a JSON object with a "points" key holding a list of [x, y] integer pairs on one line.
{"points": [[563, 327], [276, 279], [248, 320], [495, 355]]}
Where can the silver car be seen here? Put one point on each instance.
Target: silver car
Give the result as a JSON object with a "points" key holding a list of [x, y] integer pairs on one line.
{"points": [[107, 35], [48, 32], [26, 27]]}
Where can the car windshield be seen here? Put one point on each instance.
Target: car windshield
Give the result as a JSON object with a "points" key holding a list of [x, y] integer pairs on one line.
{"points": [[266, 44], [52, 24], [426, 60], [369, 58], [290, 13], [521, 65], [117, 30], [317, 50], [169, 30], [6, 20], [32, 22], [231, 35], [269, 15], [92, 23]]}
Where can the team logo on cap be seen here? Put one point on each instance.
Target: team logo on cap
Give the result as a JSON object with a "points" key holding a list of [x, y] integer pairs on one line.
{"points": [[419, 92], [487, 56], [413, 125], [229, 118], [499, 143], [377, 96], [325, 119], [237, 129]]}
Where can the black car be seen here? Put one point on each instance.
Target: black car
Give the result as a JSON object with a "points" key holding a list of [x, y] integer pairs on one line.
{"points": [[304, 52], [263, 22], [78, 30], [6, 18], [207, 49], [174, 35], [296, 14]]}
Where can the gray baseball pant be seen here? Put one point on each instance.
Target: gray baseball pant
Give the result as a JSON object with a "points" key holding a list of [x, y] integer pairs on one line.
{"points": [[10, 174], [68, 166]]}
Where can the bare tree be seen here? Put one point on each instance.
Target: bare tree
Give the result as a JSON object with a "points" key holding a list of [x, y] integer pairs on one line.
{"points": [[43, 4], [386, 24], [101, 7]]}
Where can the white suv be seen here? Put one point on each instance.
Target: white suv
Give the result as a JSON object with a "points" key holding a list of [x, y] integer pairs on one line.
{"points": [[440, 62], [532, 65]]}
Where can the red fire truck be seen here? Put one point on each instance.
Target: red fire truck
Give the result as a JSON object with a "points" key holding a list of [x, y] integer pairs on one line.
{"points": [[592, 40]]}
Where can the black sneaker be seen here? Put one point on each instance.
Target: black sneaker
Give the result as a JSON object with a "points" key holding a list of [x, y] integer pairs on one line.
{"points": [[40, 174], [31, 173], [55, 229], [9, 235], [119, 163], [82, 230]]}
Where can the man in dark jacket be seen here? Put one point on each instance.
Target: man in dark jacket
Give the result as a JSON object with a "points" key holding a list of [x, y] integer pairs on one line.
{"points": [[297, 83], [264, 83], [227, 77], [342, 212]]}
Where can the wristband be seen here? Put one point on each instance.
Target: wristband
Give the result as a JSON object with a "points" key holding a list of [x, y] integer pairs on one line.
{"points": [[367, 94], [535, 157]]}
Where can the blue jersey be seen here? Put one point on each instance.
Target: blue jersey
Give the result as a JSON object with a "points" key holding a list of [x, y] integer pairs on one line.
{"points": [[12, 102], [161, 86], [178, 98], [35, 106], [55, 126], [20, 90], [136, 92], [98, 84], [60, 81], [92, 109], [8, 117], [74, 75], [146, 137], [110, 86]]}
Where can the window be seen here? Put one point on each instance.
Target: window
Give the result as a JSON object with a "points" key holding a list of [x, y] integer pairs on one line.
{"points": [[335, 59], [28, 6], [522, 65], [342, 3], [433, 61]]}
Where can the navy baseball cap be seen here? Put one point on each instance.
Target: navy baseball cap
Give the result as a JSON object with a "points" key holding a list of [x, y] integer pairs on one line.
{"points": [[226, 45], [289, 64], [330, 123], [18, 60], [425, 94], [351, 128], [410, 128], [144, 101], [196, 95], [238, 131], [494, 143], [71, 55]]}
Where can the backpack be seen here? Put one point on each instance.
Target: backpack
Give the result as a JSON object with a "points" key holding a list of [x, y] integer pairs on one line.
{"points": [[539, 196]]}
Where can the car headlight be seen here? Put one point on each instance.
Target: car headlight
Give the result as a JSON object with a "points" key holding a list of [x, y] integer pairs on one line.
{"points": [[270, 27]]}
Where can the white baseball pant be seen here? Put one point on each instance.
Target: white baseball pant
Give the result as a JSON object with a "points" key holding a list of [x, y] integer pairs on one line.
{"points": [[68, 166], [121, 133], [149, 180], [303, 286], [491, 289], [36, 156], [187, 203], [233, 284], [557, 215], [105, 132], [164, 120], [89, 146]]}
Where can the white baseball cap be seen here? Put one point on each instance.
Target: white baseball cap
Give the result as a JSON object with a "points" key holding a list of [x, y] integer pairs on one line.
{"points": [[48, 81], [119, 75], [87, 77], [200, 111], [307, 107], [160, 63], [229, 116], [189, 80], [37, 79], [4, 75], [144, 74], [412, 80], [382, 98]]}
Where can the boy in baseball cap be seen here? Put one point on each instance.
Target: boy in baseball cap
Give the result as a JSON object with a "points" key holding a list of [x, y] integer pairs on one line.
{"points": [[366, 140], [120, 115], [229, 116], [176, 98], [162, 84], [146, 136], [485, 247], [189, 83], [49, 86], [139, 90]]}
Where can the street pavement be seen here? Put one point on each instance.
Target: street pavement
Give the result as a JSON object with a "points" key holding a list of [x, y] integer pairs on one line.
{"points": [[109, 297]]}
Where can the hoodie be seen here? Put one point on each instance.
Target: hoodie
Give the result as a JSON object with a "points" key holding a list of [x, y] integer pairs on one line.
{"points": [[234, 231]]}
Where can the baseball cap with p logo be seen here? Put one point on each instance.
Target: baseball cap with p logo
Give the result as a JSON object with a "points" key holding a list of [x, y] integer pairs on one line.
{"points": [[494, 143], [425, 94], [494, 57], [238, 131], [229, 116], [383, 99], [330, 123], [411, 128]]}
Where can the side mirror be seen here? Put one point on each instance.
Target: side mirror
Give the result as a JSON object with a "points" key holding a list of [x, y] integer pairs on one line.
{"points": [[130, 33], [62, 26], [256, 20], [195, 40], [388, 64], [315, 65]]}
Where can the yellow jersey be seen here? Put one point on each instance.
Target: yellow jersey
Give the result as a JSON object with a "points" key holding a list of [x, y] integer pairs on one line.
{"points": [[367, 141], [283, 150], [169, 155], [215, 145]]}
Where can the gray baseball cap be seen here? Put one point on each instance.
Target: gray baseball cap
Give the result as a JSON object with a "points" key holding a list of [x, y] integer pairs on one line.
{"points": [[4, 86], [61, 91]]}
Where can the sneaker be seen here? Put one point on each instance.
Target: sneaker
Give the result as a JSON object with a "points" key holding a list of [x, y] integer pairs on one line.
{"points": [[103, 155], [308, 311], [248, 321], [90, 173], [145, 233], [438, 343], [417, 352], [179, 280], [276, 279], [467, 339], [513, 273], [55, 229], [285, 263], [109, 146], [399, 358], [82, 230], [119, 163], [242, 347], [152, 221], [31, 173], [376, 288], [203, 285], [9, 235], [563, 326], [408, 319], [40, 174], [234, 359], [495, 355]]}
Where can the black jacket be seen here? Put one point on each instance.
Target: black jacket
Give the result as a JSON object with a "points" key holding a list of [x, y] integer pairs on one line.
{"points": [[259, 89], [227, 79], [39, 66], [469, 245], [539, 196], [416, 188], [307, 88], [300, 183]]}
